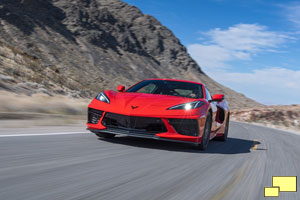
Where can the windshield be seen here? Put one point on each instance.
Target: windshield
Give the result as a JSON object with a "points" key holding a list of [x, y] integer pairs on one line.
{"points": [[174, 88]]}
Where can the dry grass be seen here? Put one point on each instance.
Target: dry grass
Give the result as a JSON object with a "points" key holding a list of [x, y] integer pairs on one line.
{"points": [[284, 117], [42, 103]]}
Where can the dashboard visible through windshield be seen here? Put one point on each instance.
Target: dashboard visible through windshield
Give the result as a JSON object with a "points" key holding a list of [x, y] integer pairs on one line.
{"points": [[173, 88]]}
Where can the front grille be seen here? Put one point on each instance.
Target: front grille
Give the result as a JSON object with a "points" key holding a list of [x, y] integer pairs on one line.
{"points": [[148, 125], [94, 115], [185, 126]]}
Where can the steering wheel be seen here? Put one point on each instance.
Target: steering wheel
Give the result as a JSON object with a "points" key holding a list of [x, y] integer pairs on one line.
{"points": [[175, 93]]}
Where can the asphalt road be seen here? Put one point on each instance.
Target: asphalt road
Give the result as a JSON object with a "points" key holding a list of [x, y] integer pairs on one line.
{"points": [[80, 166]]}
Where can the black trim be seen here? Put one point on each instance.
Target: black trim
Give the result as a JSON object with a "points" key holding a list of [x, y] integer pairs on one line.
{"points": [[94, 115], [149, 125], [188, 127], [131, 133]]}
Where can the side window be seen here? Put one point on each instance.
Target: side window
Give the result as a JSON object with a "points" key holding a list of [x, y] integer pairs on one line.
{"points": [[207, 94]]}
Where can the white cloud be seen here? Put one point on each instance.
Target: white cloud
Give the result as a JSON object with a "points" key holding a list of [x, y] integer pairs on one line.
{"points": [[292, 11], [274, 85], [210, 55], [239, 42], [246, 37]]}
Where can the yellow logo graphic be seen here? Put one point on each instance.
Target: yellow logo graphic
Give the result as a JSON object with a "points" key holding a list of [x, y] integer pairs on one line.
{"points": [[281, 184], [271, 191]]}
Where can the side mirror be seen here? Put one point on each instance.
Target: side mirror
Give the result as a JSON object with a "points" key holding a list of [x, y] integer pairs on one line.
{"points": [[121, 88], [218, 97]]}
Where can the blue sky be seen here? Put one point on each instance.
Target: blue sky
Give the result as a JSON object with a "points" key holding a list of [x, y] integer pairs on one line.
{"points": [[250, 46]]}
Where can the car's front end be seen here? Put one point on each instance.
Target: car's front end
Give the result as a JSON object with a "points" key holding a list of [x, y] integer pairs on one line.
{"points": [[185, 128], [155, 116]]}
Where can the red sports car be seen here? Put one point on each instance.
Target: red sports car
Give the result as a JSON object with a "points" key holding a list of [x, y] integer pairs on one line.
{"points": [[164, 109]]}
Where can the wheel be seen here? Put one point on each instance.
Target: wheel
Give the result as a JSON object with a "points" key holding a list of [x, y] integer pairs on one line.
{"points": [[104, 135], [225, 135], [206, 135]]}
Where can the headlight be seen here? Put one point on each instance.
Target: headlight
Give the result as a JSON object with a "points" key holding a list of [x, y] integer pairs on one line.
{"points": [[187, 106], [102, 97]]}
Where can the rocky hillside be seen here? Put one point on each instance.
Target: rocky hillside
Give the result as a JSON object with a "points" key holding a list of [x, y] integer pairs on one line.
{"points": [[286, 117], [80, 47]]}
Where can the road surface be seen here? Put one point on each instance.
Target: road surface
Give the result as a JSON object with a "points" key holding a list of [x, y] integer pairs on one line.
{"points": [[63, 163]]}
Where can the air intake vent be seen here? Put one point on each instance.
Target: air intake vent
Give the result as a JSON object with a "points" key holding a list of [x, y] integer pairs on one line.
{"points": [[146, 124], [185, 126], [94, 115]]}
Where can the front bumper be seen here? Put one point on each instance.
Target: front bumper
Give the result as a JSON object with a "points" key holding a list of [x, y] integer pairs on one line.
{"points": [[140, 135], [135, 126]]}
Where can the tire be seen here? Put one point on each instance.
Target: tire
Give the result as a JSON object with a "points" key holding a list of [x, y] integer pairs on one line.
{"points": [[104, 135], [225, 135], [206, 134]]}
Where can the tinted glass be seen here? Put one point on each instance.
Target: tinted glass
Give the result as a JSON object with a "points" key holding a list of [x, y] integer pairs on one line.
{"points": [[174, 88]]}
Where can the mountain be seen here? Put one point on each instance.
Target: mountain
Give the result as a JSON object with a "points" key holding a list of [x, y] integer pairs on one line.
{"points": [[80, 47]]}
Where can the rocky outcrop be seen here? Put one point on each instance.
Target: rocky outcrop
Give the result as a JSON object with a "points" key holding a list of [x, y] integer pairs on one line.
{"points": [[80, 47], [286, 117]]}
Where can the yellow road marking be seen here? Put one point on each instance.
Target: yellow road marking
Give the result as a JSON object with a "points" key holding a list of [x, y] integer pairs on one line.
{"points": [[255, 143], [229, 186]]}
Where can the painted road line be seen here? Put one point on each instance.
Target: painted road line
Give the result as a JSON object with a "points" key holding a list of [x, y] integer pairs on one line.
{"points": [[255, 143], [43, 134], [237, 177]]}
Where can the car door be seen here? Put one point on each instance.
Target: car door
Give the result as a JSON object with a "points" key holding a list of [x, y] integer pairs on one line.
{"points": [[213, 104]]}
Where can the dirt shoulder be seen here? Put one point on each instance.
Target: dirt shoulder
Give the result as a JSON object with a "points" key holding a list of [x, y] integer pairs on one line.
{"points": [[282, 117], [18, 110]]}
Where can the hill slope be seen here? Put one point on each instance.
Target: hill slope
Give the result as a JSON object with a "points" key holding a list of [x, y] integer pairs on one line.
{"points": [[285, 117], [80, 47]]}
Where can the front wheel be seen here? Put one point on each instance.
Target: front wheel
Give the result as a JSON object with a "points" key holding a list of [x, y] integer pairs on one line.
{"points": [[206, 134], [104, 135]]}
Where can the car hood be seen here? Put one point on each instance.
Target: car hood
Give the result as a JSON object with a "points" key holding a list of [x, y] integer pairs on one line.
{"points": [[141, 104]]}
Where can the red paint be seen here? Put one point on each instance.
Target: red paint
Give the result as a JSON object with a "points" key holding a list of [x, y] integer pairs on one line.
{"points": [[218, 97], [155, 105], [121, 88]]}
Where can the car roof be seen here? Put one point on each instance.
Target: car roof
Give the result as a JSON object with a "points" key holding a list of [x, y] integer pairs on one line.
{"points": [[166, 79]]}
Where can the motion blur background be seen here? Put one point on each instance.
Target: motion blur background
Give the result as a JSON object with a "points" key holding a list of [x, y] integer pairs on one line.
{"points": [[57, 55]]}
